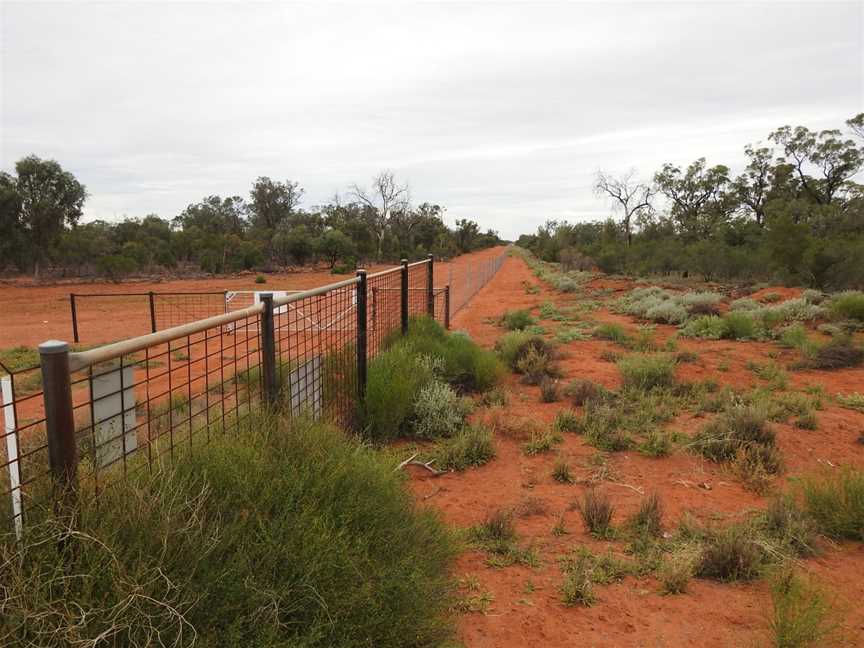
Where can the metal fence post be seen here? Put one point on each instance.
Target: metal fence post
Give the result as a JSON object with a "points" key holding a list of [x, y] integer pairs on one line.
{"points": [[74, 318], [60, 423], [430, 287], [361, 334], [404, 296], [269, 386], [152, 312], [447, 307]]}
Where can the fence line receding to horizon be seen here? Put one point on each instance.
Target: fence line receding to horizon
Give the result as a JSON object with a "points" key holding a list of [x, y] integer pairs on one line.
{"points": [[82, 420]]}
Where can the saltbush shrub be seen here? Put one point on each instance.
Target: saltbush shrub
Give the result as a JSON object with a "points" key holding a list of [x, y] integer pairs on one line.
{"points": [[667, 312], [438, 411], [709, 327]]}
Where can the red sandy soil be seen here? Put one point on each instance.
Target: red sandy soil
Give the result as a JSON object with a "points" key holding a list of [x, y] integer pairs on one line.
{"points": [[32, 313], [526, 608]]}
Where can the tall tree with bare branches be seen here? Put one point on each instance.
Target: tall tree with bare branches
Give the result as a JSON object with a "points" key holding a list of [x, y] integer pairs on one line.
{"points": [[628, 195], [384, 199]]}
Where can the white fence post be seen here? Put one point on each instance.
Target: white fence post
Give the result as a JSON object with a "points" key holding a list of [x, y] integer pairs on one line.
{"points": [[12, 452]]}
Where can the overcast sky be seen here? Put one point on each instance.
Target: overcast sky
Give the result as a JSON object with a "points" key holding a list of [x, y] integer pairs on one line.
{"points": [[500, 112]]}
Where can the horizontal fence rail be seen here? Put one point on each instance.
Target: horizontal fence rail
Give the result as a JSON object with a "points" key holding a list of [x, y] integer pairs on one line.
{"points": [[84, 419]]}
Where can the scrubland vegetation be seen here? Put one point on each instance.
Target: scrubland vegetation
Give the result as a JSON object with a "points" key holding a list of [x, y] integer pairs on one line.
{"points": [[794, 215], [270, 537], [41, 208]]}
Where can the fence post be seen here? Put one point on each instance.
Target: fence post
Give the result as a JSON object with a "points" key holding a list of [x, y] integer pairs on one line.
{"points": [[152, 313], [74, 318], [60, 423], [404, 296], [430, 287], [447, 307], [361, 334], [268, 352]]}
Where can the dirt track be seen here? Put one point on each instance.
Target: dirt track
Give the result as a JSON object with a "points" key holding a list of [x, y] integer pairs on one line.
{"points": [[526, 608]]}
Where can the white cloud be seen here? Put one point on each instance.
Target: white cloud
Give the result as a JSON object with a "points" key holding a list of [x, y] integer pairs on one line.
{"points": [[501, 112]]}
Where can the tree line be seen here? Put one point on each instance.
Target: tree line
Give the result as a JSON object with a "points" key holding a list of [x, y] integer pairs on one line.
{"points": [[41, 208], [795, 214]]}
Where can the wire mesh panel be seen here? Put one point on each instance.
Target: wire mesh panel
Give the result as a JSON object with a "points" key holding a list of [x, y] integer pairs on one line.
{"points": [[91, 311], [384, 307], [174, 309], [316, 354], [138, 411], [418, 288]]}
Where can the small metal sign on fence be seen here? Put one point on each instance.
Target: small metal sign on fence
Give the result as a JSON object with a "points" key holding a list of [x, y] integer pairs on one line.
{"points": [[113, 398]]}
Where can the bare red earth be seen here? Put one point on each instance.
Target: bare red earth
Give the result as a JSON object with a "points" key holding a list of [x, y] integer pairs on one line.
{"points": [[526, 609]]}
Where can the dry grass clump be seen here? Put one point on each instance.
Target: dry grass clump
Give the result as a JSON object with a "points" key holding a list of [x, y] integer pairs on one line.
{"points": [[596, 510]]}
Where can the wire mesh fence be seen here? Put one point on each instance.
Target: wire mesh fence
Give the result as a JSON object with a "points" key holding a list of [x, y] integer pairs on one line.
{"points": [[85, 419], [466, 280], [142, 312]]}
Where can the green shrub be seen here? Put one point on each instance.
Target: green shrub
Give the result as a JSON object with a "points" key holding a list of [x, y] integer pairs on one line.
{"points": [[656, 444], [438, 411], [541, 442], [517, 320], [835, 502], [470, 447], [848, 305], [577, 588], [464, 364], [567, 335], [567, 421], [667, 312], [795, 337], [801, 615], [613, 332], [596, 510], [709, 327], [643, 371], [853, 401], [267, 537], [739, 326], [514, 346], [394, 380], [260, 279]]}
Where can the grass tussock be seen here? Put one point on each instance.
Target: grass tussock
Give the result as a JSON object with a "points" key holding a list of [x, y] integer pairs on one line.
{"points": [[647, 371], [596, 510], [471, 447], [269, 537], [801, 614], [835, 502], [741, 435]]}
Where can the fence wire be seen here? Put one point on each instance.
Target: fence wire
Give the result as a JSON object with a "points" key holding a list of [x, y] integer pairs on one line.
{"points": [[136, 404]]}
